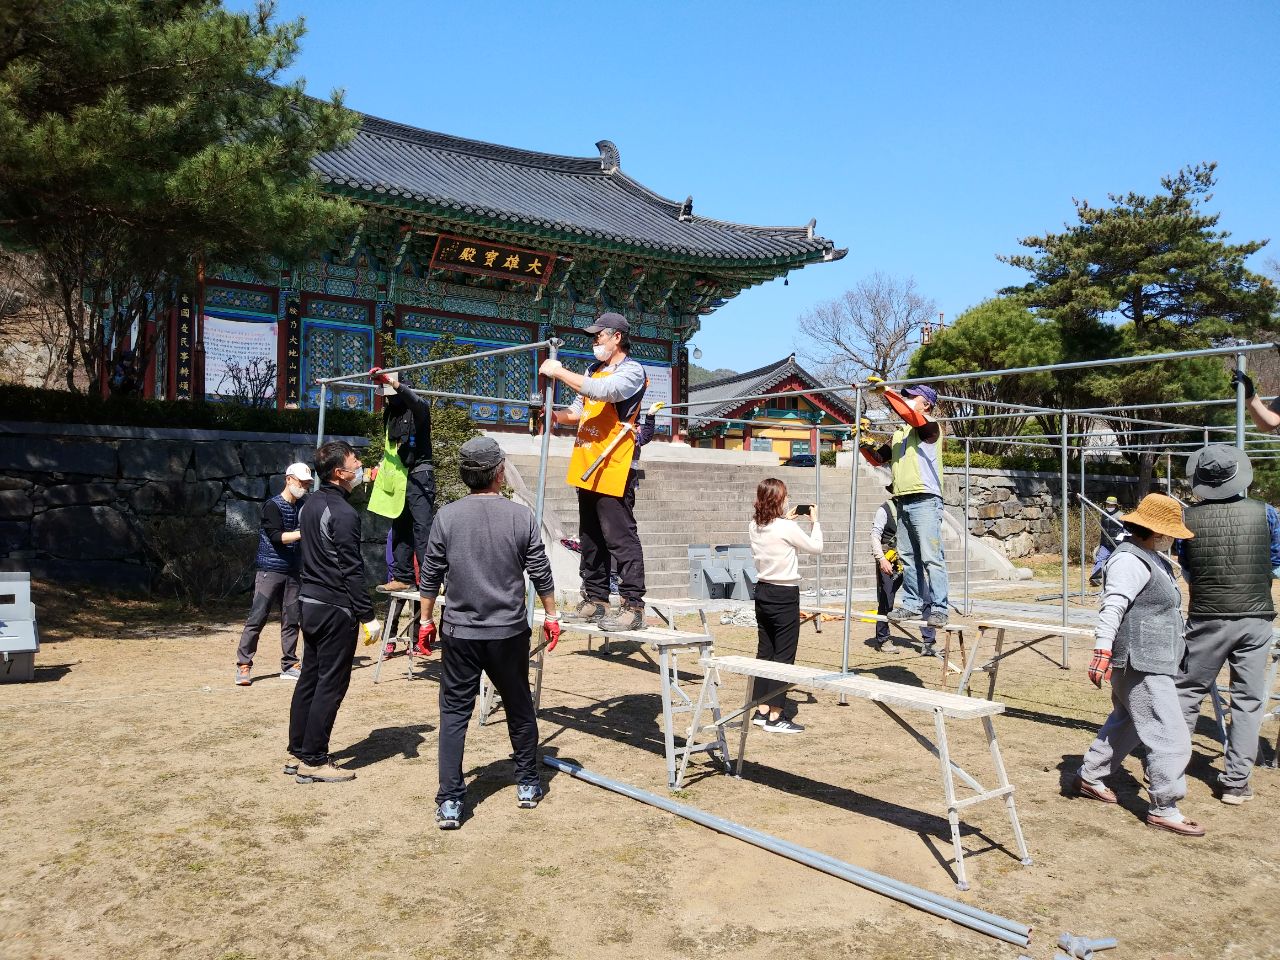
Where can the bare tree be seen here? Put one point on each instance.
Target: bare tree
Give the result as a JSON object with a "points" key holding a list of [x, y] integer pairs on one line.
{"points": [[872, 328], [253, 384], [33, 337]]}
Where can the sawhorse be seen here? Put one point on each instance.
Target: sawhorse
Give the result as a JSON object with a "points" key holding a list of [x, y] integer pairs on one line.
{"points": [[395, 606], [991, 667]]}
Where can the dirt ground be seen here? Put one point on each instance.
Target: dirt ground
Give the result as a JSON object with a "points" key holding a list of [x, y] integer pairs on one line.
{"points": [[145, 816]]}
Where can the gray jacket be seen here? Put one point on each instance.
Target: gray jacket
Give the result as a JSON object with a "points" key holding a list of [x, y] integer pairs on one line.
{"points": [[1151, 636]]}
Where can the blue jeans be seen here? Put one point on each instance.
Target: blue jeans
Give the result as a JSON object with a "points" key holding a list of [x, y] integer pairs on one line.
{"points": [[920, 546]]}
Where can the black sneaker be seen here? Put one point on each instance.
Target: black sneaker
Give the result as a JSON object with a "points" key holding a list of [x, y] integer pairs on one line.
{"points": [[528, 795], [760, 719], [588, 611], [782, 725], [1237, 795], [629, 617], [449, 815]]}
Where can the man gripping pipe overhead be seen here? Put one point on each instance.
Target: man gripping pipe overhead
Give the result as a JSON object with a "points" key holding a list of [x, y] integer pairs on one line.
{"points": [[605, 413]]}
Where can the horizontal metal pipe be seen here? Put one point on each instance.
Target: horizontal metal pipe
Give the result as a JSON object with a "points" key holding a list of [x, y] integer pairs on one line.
{"points": [[1169, 405], [458, 359], [816, 391], [997, 927], [449, 395]]}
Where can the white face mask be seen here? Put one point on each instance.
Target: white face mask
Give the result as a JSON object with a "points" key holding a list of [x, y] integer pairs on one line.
{"points": [[1162, 544], [359, 478], [603, 351]]}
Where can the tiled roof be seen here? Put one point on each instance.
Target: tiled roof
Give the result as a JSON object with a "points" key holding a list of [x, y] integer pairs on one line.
{"points": [[761, 380], [578, 199]]}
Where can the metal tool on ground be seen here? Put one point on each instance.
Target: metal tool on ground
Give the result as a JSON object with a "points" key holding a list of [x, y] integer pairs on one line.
{"points": [[1084, 948], [894, 699], [1001, 928]]}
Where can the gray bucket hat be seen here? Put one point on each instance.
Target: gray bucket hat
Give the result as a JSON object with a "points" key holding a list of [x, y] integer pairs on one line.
{"points": [[1219, 472]]}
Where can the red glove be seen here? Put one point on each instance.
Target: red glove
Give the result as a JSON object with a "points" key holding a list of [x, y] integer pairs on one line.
{"points": [[551, 631], [1100, 668], [378, 376], [426, 638]]}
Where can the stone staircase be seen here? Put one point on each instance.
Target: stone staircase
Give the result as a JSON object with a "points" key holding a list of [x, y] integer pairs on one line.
{"points": [[678, 504]]}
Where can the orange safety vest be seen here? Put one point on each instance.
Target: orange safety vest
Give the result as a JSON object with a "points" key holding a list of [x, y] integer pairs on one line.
{"points": [[597, 428]]}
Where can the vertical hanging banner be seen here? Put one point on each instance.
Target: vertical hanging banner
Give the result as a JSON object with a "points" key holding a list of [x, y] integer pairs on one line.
{"points": [[293, 352], [182, 350]]}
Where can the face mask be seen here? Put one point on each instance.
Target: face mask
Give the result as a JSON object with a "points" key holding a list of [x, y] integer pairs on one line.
{"points": [[603, 351], [1162, 544], [359, 478]]}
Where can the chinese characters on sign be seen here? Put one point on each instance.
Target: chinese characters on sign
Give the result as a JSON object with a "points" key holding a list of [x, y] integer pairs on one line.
{"points": [[293, 355], [184, 335], [469, 255]]}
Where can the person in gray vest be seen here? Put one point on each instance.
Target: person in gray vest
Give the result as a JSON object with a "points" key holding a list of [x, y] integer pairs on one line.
{"points": [[1138, 645], [884, 548], [277, 581], [1229, 566]]}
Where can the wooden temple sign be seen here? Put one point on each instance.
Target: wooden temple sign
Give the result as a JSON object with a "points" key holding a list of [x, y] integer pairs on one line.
{"points": [[469, 255]]}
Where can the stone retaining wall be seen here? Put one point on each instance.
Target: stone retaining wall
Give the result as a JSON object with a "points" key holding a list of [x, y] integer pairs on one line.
{"points": [[74, 498]]}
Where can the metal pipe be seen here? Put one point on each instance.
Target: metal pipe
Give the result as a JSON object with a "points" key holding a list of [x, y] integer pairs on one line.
{"points": [[848, 549], [816, 391], [324, 404], [436, 363], [817, 499], [1240, 365], [968, 608], [449, 395], [1083, 546], [994, 926], [1065, 617], [540, 496]]}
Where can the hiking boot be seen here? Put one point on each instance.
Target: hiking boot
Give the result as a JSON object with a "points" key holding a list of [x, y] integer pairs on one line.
{"points": [[937, 619], [902, 613], [588, 611], [242, 675], [1237, 795], [326, 772], [393, 586], [629, 617], [528, 795], [291, 673], [290, 767], [449, 815], [929, 650], [782, 725]]}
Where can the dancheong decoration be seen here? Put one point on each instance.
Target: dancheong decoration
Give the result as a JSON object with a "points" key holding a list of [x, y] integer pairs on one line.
{"points": [[469, 255]]}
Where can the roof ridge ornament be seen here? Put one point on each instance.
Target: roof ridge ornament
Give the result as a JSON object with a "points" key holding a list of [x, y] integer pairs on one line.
{"points": [[686, 209], [809, 227], [610, 161]]}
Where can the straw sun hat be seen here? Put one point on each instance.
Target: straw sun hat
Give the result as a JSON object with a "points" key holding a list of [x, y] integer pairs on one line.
{"points": [[1159, 514]]}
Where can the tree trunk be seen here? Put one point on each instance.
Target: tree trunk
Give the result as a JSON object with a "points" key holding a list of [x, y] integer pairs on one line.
{"points": [[1146, 467]]}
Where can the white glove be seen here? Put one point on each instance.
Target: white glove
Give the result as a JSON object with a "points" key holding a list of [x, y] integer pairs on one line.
{"points": [[656, 407], [372, 631], [550, 367]]}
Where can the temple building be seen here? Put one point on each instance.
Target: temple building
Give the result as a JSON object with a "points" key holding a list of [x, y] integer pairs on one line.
{"points": [[491, 245], [787, 426]]}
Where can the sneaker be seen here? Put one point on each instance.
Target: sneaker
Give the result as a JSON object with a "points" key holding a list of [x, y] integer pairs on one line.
{"points": [[326, 772], [393, 586], [760, 719], [449, 815], [290, 768], [293, 673], [629, 617], [588, 611], [782, 725], [929, 650], [902, 613], [937, 619], [528, 795], [242, 675], [1237, 795]]}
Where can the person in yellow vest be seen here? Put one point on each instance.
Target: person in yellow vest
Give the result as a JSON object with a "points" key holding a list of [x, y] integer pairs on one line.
{"points": [[605, 413], [914, 455], [404, 490]]}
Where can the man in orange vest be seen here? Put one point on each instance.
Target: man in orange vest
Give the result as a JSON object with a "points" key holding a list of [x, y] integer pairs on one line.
{"points": [[605, 412]]}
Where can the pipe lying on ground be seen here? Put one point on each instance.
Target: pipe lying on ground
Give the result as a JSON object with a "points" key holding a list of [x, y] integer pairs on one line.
{"points": [[1083, 948], [992, 925]]}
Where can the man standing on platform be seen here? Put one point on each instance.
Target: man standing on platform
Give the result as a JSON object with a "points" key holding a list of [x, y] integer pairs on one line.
{"points": [[277, 577], [914, 454], [605, 413], [335, 604], [405, 488], [1230, 565]]}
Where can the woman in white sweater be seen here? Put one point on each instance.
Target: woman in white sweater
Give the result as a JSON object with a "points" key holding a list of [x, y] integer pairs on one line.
{"points": [[775, 538]]}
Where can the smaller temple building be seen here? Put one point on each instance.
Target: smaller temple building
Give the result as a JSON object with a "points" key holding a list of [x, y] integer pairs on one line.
{"points": [[789, 426]]}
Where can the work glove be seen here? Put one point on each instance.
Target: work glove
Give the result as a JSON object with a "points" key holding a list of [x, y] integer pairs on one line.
{"points": [[654, 408], [864, 425], [378, 376], [550, 367], [551, 632], [876, 384], [1100, 668], [372, 630], [426, 638], [1239, 376]]}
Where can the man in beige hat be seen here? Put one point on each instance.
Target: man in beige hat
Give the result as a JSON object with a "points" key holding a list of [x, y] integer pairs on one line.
{"points": [[1138, 646], [1229, 565]]}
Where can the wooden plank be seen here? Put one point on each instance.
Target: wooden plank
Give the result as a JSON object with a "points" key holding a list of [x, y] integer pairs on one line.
{"points": [[1030, 626]]}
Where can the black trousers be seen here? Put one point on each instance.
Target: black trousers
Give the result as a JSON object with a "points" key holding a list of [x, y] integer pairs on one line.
{"points": [[270, 588], [778, 624], [328, 646], [887, 585], [507, 664], [608, 534], [410, 530]]}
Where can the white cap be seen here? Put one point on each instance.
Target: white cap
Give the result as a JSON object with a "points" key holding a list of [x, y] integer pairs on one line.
{"points": [[299, 471]]}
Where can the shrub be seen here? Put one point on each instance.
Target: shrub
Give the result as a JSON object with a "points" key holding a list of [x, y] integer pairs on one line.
{"points": [[199, 560]]}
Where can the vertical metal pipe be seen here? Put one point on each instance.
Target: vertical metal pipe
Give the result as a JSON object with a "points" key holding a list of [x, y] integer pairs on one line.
{"points": [[1240, 365], [324, 402], [853, 520], [1083, 545], [540, 498], [1065, 508], [817, 499], [968, 606], [1168, 473]]}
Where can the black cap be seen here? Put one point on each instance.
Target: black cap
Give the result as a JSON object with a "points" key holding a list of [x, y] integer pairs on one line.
{"points": [[610, 321], [480, 453]]}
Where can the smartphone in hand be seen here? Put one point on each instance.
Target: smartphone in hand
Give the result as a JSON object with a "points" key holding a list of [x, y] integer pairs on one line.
{"points": [[804, 509]]}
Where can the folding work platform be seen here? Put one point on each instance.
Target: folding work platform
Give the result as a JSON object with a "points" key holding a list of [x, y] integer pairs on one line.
{"points": [[1039, 632], [893, 699]]}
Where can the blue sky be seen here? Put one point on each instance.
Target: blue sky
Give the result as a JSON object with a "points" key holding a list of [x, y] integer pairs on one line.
{"points": [[924, 136]]}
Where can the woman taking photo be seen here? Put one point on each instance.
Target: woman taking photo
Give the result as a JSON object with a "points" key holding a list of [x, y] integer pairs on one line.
{"points": [[775, 538], [1139, 645]]}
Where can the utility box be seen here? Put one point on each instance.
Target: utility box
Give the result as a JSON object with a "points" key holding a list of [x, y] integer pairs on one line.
{"points": [[19, 638], [709, 577], [740, 562]]}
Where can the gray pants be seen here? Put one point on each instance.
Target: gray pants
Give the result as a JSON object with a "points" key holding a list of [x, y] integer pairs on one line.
{"points": [[269, 589], [1243, 644], [1144, 710]]}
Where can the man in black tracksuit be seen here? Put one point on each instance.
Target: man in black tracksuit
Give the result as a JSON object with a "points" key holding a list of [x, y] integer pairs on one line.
{"points": [[335, 603], [406, 418]]}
